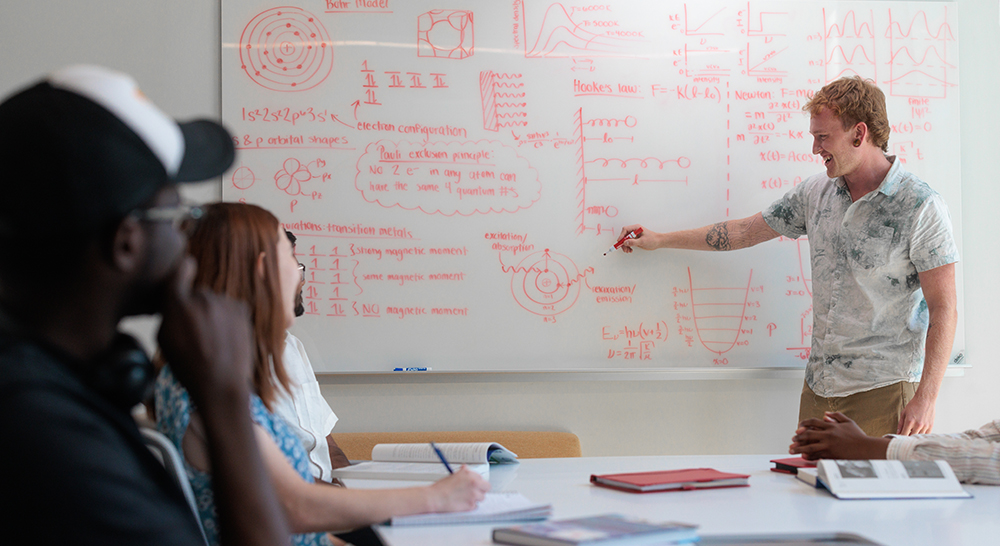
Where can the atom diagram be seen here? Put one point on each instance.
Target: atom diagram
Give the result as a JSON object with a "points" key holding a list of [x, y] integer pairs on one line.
{"points": [[545, 283], [286, 49]]}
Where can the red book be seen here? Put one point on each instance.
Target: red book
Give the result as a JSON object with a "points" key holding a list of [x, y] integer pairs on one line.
{"points": [[670, 480], [791, 465]]}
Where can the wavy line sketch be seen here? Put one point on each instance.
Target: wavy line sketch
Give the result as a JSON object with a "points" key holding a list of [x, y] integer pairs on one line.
{"points": [[853, 34], [943, 31], [857, 30], [546, 283], [838, 64], [718, 313], [937, 60], [445, 34], [560, 36], [852, 59], [918, 63], [493, 109], [286, 49]]}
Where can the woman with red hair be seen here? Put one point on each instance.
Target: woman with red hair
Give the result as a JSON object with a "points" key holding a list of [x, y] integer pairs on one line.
{"points": [[243, 253]]}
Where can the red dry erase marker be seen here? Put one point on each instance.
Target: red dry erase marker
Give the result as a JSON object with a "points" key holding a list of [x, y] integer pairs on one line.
{"points": [[630, 235]]}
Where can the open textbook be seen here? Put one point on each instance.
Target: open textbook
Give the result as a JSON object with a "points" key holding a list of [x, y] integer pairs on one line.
{"points": [[878, 479], [419, 462]]}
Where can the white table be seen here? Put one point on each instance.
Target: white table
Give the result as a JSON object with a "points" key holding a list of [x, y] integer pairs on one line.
{"points": [[774, 503]]}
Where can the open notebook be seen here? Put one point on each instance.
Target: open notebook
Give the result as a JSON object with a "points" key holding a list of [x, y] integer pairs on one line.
{"points": [[504, 506]]}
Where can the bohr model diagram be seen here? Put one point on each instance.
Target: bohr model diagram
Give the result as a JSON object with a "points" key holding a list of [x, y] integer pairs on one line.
{"points": [[286, 49], [546, 283]]}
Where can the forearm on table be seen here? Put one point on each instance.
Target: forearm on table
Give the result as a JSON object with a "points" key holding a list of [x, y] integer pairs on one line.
{"points": [[973, 461], [315, 508], [312, 507]]}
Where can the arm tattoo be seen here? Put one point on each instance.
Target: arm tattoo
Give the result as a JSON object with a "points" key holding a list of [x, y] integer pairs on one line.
{"points": [[718, 237]]}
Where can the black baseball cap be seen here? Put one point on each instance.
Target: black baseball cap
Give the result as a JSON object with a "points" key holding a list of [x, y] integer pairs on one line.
{"points": [[84, 147]]}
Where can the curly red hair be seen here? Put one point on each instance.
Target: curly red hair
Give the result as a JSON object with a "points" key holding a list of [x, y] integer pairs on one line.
{"points": [[855, 100]]}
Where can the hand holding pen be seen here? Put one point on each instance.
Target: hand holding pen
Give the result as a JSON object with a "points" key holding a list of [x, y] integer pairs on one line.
{"points": [[459, 491], [443, 460], [628, 232]]}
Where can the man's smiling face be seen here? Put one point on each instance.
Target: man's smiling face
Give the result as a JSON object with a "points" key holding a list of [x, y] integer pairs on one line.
{"points": [[834, 144]]}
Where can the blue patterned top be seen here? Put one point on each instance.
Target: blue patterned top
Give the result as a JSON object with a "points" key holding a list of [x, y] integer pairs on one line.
{"points": [[173, 414]]}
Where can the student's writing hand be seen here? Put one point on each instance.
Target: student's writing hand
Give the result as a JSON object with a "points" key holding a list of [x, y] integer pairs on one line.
{"points": [[458, 492], [835, 437], [644, 241], [204, 336]]}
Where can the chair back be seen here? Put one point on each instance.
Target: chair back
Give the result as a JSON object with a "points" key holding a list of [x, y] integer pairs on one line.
{"points": [[526, 444], [167, 454]]}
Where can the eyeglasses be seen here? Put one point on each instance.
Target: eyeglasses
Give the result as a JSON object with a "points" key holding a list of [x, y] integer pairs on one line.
{"points": [[302, 270], [181, 215]]}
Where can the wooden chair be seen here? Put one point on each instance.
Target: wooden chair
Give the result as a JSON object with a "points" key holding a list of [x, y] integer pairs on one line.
{"points": [[526, 444]]}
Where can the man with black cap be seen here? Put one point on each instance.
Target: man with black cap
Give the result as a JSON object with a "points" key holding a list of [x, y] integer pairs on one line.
{"points": [[90, 168]]}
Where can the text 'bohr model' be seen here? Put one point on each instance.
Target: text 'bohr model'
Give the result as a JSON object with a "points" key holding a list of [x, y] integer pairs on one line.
{"points": [[546, 283], [286, 49]]}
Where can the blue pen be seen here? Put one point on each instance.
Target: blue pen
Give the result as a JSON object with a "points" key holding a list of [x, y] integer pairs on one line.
{"points": [[441, 456]]}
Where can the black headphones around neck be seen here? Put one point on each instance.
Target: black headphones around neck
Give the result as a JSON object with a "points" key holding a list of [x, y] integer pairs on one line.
{"points": [[123, 373]]}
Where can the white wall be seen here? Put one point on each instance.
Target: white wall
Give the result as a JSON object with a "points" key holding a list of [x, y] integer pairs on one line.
{"points": [[172, 49]]}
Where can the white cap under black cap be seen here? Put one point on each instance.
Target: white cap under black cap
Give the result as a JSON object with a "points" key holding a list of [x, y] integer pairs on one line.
{"points": [[84, 147]]}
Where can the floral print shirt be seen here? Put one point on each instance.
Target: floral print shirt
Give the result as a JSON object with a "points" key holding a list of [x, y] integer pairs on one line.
{"points": [[869, 313]]}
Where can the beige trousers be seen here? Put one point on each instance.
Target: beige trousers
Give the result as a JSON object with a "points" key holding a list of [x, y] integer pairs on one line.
{"points": [[877, 411]]}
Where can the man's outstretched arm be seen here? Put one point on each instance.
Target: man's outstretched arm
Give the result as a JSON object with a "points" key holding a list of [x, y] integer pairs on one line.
{"points": [[728, 235]]}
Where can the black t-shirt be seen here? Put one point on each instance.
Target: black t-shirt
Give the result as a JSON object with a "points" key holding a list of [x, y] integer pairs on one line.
{"points": [[73, 467]]}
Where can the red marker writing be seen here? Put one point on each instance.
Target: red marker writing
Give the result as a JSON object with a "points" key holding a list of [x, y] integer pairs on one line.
{"points": [[630, 235]]}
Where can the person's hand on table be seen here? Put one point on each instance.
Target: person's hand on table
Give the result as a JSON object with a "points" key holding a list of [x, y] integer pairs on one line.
{"points": [[835, 437]]}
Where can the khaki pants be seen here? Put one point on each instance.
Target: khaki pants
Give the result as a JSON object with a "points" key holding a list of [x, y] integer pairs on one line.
{"points": [[877, 411]]}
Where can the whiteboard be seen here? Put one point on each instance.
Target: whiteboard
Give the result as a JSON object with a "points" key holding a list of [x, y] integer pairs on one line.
{"points": [[456, 171]]}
